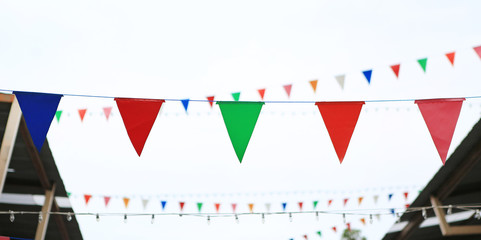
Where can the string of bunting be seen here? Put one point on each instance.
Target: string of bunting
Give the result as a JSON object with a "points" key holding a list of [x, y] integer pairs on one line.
{"points": [[240, 117]]}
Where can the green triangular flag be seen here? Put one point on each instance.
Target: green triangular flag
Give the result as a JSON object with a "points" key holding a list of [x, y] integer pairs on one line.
{"points": [[240, 119], [423, 63], [58, 114], [236, 96], [319, 233], [199, 206], [315, 204], [68, 194]]}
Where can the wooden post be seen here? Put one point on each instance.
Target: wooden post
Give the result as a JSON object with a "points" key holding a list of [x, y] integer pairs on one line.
{"points": [[47, 206], [448, 230], [8, 141]]}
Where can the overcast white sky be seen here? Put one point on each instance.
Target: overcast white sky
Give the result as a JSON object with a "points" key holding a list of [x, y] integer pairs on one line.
{"points": [[192, 49]]}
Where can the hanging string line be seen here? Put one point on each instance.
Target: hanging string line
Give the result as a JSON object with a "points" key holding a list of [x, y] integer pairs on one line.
{"points": [[205, 100]]}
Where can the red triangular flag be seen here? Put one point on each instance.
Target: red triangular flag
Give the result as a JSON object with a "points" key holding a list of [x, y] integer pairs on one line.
{"points": [[329, 202], [406, 194], [107, 111], [363, 220], [305, 236], [262, 92], [340, 119], [300, 206], [478, 50], [450, 56], [211, 100], [288, 90], [360, 200], [87, 198], [181, 204], [407, 205], [441, 116], [345, 201], [348, 225], [395, 69], [217, 207], [334, 229], [106, 200], [139, 116], [82, 112], [234, 206]]}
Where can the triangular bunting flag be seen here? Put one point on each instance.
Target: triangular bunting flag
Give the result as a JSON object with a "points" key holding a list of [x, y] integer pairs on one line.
{"points": [[422, 63], [251, 207], [329, 202], [268, 207], [145, 202], [126, 202], [181, 205], [163, 203], [345, 201], [300, 206], [288, 88], [375, 197], [261, 93], [390, 196], [139, 116], [340, 80], [395, 69], [68, 194], [107, 111], [185, 103], [199, 206], [106, 200], [58, 114], [478, 50], [315, 204], [211, 101], [441, 116], [217, 207], [368, 74], [363, 220], [407, 205], [234, 207], [340, 119], [348, 225], [313, 85], [87, 198], [378, 216], [450, 57], [284, 205], [406, 194], [236, 96], [334, 229], [305, 236], [319, 233], [38, 110], [240, 119], [360, 200], [81, 113], [393, 211]]}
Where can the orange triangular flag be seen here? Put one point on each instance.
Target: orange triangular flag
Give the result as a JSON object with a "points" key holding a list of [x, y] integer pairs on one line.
{"points": [[82, 112], [288, 88], [262, 92], [87, 198], [360, 200], [450, 56], [126, 202], [395, 69], [363, 220], [107, 111], [217, 207], [211, 100], [329, 202], [251, 207], [313, 85]]}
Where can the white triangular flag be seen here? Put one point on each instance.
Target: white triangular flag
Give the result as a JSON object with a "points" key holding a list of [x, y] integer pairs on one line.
{"points": [[340, 80], [145, 202]]}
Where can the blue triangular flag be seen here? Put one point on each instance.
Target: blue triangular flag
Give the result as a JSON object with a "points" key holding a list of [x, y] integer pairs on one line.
{"points": [[185, 102], [390, 196], [368, 74], [284, 205], [38, 110], [393, 212], [163, 204]]}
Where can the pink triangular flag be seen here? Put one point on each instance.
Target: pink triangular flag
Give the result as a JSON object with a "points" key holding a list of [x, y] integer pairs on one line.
{"points": [[450, 56], [106, 200], [234, 206], [262, 92], [107, 111], [87, 198], [81, 113], [441, 116], [340, 119], [288, 90], [478, 50]]}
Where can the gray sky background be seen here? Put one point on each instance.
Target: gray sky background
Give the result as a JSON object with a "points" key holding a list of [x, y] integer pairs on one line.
{"points": [[191, 49]]}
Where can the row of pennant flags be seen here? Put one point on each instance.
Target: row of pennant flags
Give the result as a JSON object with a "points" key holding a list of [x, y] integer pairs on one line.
{"points": [[240, 118], [199, 205]]}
